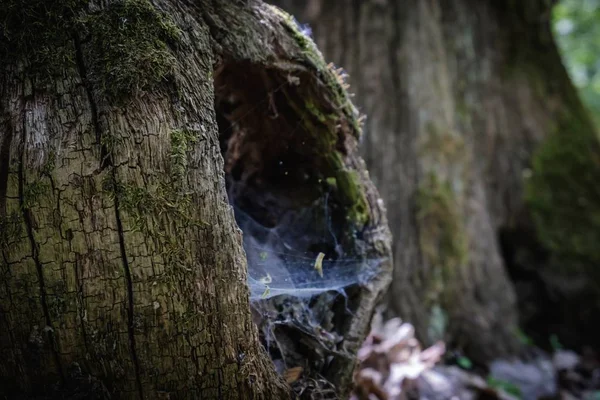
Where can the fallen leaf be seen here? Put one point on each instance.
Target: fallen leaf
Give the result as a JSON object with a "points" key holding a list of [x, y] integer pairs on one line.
{"points": [[293, 374]]}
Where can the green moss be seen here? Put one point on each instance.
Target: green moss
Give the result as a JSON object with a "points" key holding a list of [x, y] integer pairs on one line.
{"points": [[126, 44], [564, 196], [129, 48], [316, 112], [332, 182], [180, 146], [146, 207], [150, 206], [300, 38], [291, 25], [155, 212], [349, 189], [352, 192], [443, 239], [333, 78], [39, 31], [442, 143], [110, 142], [442, 234], [327, 116], [32, 193], [562, 192]]}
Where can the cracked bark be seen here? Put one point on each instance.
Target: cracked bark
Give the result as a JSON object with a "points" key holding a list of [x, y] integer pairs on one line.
{"points": [[40, 277], [105, 159], [130, 300]]}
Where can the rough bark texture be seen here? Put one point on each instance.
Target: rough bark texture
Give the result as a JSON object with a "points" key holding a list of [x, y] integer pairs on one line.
{"points": [[458, 95], [122, 267]]}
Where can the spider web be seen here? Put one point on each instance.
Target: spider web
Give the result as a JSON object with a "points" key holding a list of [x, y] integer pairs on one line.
{"points": [[282, 259], [300, 255]]}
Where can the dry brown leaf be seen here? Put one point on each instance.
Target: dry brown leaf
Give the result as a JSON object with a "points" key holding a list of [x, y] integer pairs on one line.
{"points": [[293, 374], [391, 359], [368, 382], [432, 355]]}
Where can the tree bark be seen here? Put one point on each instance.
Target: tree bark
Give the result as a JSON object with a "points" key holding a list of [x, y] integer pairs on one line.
{"points": [[458, 96], [123, 271]]}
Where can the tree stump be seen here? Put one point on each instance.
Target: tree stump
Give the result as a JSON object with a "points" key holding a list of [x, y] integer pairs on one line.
{"points": [[123, 124]]}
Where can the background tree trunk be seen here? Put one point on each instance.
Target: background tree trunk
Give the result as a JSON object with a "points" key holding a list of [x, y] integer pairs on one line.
{"points": [[123, 271], [458, 96]]}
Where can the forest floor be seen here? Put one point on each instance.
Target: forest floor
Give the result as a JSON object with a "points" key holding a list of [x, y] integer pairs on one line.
{"points": [[394, 366]]}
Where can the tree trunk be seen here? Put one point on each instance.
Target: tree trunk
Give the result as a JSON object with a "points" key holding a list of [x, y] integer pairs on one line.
{"points": [[123, 271], [458, 97]]}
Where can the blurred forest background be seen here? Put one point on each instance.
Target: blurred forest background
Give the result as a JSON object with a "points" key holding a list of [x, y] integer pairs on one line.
{"points": [[577, 27], [482, 138]]}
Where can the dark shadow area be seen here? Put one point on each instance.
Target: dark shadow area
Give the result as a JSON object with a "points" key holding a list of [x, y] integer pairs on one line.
{"points": [[555, 310]]}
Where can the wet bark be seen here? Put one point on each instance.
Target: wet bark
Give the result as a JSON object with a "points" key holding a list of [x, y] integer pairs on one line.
{"points": [[458, 97], [123, 272]]}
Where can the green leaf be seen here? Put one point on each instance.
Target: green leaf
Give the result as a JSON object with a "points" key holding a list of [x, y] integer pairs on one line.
{"points": [[464, 362], [505, 386], [555, 343]]}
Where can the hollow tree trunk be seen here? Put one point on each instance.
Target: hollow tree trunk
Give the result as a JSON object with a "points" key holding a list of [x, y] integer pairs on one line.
{"points": [[458, 96], [123, 271]]}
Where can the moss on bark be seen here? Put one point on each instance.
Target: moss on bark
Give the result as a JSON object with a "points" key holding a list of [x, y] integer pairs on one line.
{"points": [[129, 47], [40, 32], [442, 235], [334, 78], [127, 42], [563, 193]]}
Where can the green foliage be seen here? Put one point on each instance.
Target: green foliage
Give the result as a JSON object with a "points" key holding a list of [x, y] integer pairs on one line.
{"points": [[505, 386], [129, 47], [464, 362], [555, 343], [524, 338], [577, 29]]}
